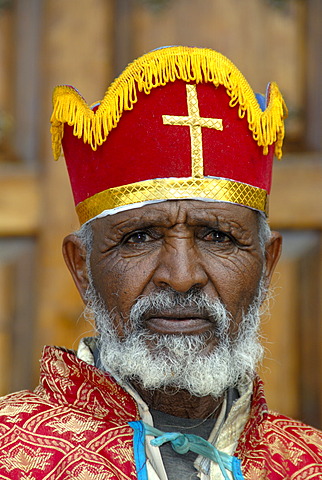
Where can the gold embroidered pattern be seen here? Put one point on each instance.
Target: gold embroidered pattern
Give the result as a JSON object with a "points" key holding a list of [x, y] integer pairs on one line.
{"points": [[75, 424], [312, 437], [173, 189], [311, 472], [274, 446], [12, 412], [27, 477], [87, 472], [195, 123], [61, 437], [257, 473], [288, 449], [123, 452], [25, 459]]}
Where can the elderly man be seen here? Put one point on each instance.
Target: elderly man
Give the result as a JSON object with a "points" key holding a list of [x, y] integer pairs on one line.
{"points": [[171, 174]]}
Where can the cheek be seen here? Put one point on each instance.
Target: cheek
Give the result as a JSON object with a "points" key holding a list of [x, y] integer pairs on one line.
{"points": [[236, 279], [120, 281]]}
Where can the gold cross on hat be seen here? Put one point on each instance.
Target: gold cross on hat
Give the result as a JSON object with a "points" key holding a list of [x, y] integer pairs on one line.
{"points": [[195, 123]]}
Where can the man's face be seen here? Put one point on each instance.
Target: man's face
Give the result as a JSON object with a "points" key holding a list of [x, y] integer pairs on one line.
{"points": [[179, 246]]}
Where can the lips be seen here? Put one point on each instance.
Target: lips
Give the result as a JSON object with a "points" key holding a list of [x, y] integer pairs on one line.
{"points": [[184, 323]]}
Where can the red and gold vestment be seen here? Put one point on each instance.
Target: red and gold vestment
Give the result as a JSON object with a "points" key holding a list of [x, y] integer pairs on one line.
{"points": [[75, 425]]}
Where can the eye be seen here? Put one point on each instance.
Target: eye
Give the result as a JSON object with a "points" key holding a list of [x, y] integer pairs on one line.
{"points": [[137, 237], [217, 237]]}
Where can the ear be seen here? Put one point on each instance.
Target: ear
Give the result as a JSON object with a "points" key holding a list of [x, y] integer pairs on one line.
{"points": [[75, 258], [273, 251]]}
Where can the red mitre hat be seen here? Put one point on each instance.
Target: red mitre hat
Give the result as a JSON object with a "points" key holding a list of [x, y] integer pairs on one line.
{"points": [[178, 123]]}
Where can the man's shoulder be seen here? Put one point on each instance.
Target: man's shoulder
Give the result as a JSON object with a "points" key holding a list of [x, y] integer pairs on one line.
{"points": [[282, 423], [23, 396], [16, 407], [276, 428], [291, 433], [277, 443], [56, 439]]}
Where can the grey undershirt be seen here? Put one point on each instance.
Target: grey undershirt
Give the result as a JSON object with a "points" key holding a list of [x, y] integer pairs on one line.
{"points": [[178, 466]]}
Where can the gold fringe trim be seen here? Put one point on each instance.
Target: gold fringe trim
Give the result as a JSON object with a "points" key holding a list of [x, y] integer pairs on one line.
{"points": [[156, 69], [206, 188]]}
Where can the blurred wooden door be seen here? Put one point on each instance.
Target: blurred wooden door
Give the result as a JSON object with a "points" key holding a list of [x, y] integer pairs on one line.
{"points": [[40, 46], [44, 43], [19, 195]]}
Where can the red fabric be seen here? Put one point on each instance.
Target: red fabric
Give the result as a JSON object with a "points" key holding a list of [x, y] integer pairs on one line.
{"points": [[141, 147], [275, 447], [74, 427]]}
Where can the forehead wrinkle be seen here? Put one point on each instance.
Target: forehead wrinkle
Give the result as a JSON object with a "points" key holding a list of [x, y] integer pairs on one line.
{"points": [[178, 212]]}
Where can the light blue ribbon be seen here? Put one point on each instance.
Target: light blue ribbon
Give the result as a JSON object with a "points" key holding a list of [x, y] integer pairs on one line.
{"points": [[182, 443]]}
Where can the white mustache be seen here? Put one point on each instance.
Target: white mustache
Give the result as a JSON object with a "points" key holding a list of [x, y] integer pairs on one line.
{"points": [[168, 303]]}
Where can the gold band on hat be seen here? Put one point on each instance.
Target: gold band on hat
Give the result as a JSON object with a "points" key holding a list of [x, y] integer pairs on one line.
{"points": [[206, 188]]}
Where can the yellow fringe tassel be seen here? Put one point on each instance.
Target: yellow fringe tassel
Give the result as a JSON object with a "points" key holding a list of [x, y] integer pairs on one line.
{"points": [[156, 69]]}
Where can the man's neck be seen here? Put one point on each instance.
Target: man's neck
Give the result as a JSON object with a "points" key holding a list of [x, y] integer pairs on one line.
{"points": [[179, 403]]}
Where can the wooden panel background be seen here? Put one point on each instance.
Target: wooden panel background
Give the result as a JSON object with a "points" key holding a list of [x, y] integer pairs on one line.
{"points": [[86, 43]]}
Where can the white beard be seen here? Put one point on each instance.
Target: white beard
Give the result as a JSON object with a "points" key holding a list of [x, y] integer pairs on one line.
{"points": [[178, 361]]}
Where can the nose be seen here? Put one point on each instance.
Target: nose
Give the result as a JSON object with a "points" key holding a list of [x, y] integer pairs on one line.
{"points": [[180, 267]]}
